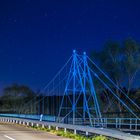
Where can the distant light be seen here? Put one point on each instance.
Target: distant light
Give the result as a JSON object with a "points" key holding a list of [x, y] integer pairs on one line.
{"points": [[74, 51], [84, 53]]}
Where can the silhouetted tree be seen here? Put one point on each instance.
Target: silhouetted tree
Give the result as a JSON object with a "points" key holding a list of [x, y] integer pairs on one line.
{"points": [[15, 96], [121, 63], [131, 61]]}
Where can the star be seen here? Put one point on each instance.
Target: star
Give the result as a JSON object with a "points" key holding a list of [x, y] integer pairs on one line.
{"points": [[45, 14], [19, 58], [27, 1], [33, 72], [15, 20], [115, 17], [12, 19]]}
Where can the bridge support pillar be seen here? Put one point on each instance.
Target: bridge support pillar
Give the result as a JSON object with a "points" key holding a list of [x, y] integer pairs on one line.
{"points": [[119, 123], [32, 124], [57, 128], [43, 126], [37, 124], [65, 130], [27, 123], [116, 122], [49, 127], [75, 132], [86, 133], [130, 124], [136, 124]]}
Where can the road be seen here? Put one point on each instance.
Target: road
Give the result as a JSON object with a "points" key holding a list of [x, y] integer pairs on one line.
{"points": [[16, 132]]}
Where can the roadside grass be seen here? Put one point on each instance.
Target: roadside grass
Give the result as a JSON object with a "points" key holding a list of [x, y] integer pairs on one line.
{"points": [[70, 134]]}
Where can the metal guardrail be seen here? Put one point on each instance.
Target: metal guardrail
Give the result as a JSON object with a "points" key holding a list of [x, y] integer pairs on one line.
{"points": [[118, 123], [87, 129]]}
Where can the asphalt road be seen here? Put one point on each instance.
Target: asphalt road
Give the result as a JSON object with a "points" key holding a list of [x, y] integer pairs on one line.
{"points": [[16, 132]]}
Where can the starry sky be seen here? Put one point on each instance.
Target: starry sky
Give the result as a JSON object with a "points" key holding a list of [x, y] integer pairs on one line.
{"points": [[38, 36]]}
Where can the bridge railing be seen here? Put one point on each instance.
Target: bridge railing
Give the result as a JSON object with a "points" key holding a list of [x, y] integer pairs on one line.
{"points": [[119, 123], [32, 117]]}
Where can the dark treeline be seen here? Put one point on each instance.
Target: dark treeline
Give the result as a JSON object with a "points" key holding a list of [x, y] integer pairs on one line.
{"points": [[14, 97], [121, 62]]}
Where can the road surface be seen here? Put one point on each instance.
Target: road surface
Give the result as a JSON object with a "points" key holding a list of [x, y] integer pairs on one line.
{"points": [[16, 132]]}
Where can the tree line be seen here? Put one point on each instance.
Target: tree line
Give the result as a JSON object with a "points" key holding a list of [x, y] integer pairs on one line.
{"points": [[121, 62]]}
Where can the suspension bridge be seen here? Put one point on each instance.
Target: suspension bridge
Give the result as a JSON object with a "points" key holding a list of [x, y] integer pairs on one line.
{"points": [[76, 97]]}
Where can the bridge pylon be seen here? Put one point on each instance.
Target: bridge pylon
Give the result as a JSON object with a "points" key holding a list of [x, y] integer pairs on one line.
{"points": [[80, 102]]}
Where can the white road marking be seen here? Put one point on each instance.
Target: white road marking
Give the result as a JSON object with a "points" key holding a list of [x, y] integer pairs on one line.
{"points": [[8, 137]]}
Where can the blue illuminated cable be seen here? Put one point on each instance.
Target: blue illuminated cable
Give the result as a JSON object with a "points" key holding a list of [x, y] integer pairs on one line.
{"points": [[48, 83], [113, 83], [113, 93]]}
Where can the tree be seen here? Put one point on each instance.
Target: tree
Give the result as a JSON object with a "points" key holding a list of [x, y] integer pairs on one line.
{"points": [[121, 63], [131, 61], [15, 96], [16, 90], [109, 59]]}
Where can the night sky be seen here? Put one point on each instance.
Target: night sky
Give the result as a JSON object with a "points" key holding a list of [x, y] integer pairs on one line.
{"points": [[38, 36]]}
